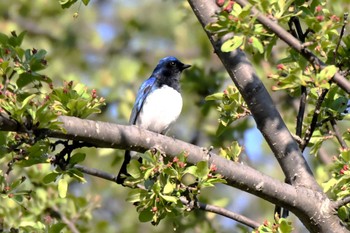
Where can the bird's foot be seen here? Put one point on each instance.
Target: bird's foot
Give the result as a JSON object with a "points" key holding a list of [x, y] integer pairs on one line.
{"points": [[207, 151]]}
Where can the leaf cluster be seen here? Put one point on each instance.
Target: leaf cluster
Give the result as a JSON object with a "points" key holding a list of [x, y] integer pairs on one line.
{"points": [[29, 98], [231, 107], [338, 185], [280, 225], [325, 103], [167, 187]]}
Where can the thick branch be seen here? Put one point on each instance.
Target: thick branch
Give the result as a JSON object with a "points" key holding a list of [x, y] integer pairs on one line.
{"points": [[267, 117], [317, 217], [102, 134], [237, 175]]}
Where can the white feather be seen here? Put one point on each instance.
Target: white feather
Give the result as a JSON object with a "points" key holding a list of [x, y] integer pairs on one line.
{"points": [[161, 108]]}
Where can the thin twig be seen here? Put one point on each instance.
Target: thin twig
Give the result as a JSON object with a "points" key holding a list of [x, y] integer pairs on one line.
{"points": [[70, 224], [210, 208], [297, 32], [96, 172], [337, 133], [342, 202], [229, 214], [346, 14], [7, 80], [313, 124], [301, 112]]}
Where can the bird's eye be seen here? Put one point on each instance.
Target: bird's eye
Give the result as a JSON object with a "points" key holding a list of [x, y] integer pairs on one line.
{"points": [[172, 63]]}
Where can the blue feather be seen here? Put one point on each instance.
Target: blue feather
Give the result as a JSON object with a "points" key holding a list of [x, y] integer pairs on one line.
{"points": [[146, 88]]}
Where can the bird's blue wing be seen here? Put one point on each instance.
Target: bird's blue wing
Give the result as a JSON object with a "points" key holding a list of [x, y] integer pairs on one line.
{"points": [[147, 87]]}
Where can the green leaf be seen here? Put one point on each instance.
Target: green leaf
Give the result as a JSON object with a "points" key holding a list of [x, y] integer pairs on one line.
{"points": [[50, 177], [345, 155], [285, 226], [3, 38], [18, 198], [146, 215], [188, 178], [133, 168], [17, 182], [327, 73], [77, 158], [216, 96], [168, 188], [343, 212], [56, 228], [16, 40], [76, 174], [134, 195], [257, 44], [191, 170], [340, 104], [221, 128], [86, 2], [62, 188], [169, 198], [26, 100], [202, 169], [232, 44], [37, 154], [66, 3]]}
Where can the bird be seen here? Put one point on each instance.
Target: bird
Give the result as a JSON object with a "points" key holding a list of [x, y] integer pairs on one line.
{"points": [[158, 103]]}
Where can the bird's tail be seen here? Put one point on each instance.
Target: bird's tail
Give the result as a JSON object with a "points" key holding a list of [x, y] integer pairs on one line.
{"points": [[123, 172]]}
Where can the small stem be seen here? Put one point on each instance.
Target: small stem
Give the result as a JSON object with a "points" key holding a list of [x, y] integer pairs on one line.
{"points": [[7, 80], [338, 134], [346, 14], [229, 214], [301, 111], [70, 224], [313, 124], [297, 32], [96, 172], [342, 202]]}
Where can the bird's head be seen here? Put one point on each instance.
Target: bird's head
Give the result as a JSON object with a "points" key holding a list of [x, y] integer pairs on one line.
{"points": [[169, 66]]}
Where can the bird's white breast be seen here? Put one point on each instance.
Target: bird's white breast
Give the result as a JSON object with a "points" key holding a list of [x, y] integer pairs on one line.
{"points": [[161, 108]]}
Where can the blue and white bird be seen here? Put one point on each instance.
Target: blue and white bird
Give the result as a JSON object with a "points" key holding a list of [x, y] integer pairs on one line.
{"points": [[158, 102]]}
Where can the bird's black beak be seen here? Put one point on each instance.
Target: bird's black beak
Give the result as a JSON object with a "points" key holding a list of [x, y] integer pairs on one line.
{"points": [[185, 66]]}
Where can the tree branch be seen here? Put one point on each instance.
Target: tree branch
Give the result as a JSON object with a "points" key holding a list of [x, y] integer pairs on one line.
{"points": [[95, 172], [267, 118], [297, 32], [301, 112], [229, 214], [237, 175], [108, 135], [317, 217], [70, 224], [206, 207], [310, 130], [342, 202], [295, 44], [338, 134]]}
